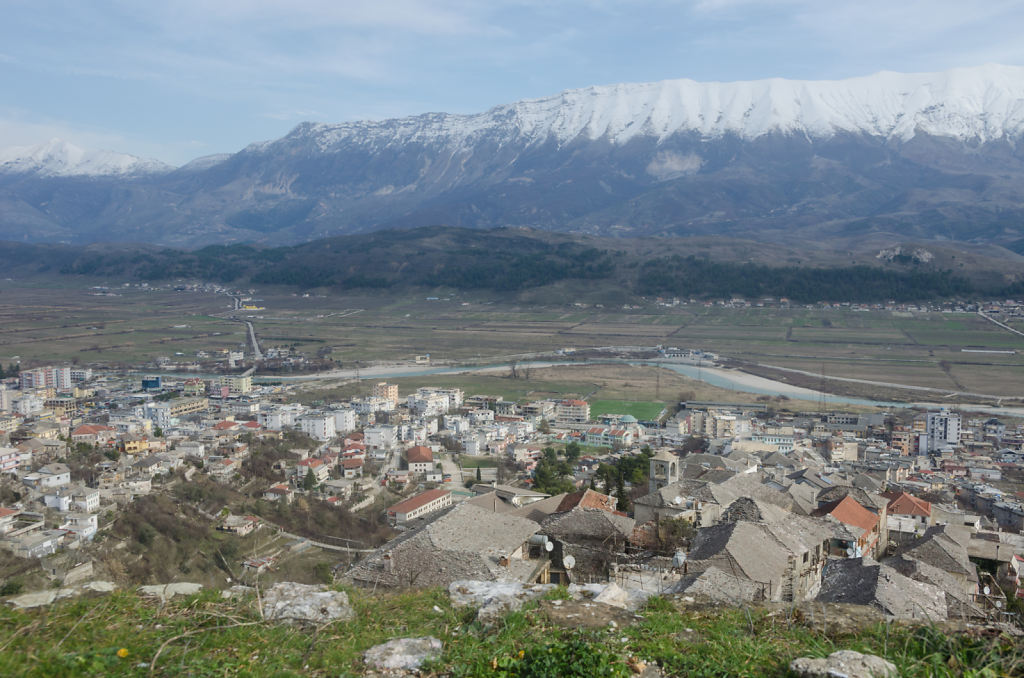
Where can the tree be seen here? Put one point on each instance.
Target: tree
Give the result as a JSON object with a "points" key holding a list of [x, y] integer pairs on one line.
{"points": [[479, 477], [572, 452], [158, 432], [309, 482], [620, 494]]}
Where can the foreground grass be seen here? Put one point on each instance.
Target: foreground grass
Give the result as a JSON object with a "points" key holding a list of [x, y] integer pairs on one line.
{"points": [[206, 636]]}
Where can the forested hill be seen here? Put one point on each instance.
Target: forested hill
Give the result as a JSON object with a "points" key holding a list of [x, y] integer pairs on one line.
{"points": [[503, 260]]}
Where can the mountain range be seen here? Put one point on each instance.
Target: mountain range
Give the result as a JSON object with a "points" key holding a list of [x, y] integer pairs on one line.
{"points": [[858, 163]]}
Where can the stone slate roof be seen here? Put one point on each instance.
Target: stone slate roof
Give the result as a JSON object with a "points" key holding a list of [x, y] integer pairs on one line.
{"points": [[588, 524], [742, 549], [465, 542], [863, 581], [939, 548], [713, 586], [958, 602], [868, 500]]}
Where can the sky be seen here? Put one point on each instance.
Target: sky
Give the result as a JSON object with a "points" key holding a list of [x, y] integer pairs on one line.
{"points": [[180, 79]]}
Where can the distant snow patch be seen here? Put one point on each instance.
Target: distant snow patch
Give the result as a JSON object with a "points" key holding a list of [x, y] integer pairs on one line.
{"points": [[670, 165]]}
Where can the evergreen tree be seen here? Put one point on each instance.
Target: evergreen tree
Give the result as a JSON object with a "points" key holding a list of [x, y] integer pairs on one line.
{"points": [[309, 482], [479, 477]]}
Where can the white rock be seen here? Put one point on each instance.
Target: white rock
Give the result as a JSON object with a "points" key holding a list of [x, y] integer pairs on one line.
{"points": [[167, 591], [846, 663], [312, 603], [403, 653]]}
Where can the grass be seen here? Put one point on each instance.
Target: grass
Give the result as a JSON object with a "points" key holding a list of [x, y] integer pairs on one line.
{"points": [[124, 635], [642, 410], [468, 461]]}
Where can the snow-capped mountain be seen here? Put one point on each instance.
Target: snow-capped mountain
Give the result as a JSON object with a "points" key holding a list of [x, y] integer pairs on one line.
{"points": [[981, 104], [59, 158], [921, 156]]}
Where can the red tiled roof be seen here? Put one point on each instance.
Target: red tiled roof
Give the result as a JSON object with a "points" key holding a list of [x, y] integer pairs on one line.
{"points": [[909, 505], [90, 429], [4, 512], [312, 462], [419, 454], [586, 499], [413, 503], [225, 425], [576, 403], [251, 424], [849, 511], [352, 463]]}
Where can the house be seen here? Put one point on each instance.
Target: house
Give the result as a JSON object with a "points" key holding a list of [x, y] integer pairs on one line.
{"points": [[422, 504], [94, 434], [86, 499], [420, 459], [37, 543], [51, 475], [466, 542], [856, 530], [7, 516], [82, 526], [593, 537], [351, 468], [279, 492], [240, 525], [224, 469], [317, 467]]}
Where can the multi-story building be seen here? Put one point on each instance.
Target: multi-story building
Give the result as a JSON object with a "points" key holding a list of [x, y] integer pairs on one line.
{"points": [[58, 378], [385, 390], [380, 437], [318, 425], [344, 420], [569, 412], [236, 386], [942, 429]]}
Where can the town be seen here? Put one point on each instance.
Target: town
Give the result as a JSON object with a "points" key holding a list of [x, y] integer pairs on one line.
{"points": [[919, 513]]}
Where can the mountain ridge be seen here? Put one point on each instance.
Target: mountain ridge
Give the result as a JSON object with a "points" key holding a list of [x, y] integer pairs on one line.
{"points": [[921, 157]]}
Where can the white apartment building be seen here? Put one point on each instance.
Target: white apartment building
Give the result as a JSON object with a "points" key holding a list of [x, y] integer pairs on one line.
{"points": [[319, 426], [344, 420], [380, 437], [942, 429]]}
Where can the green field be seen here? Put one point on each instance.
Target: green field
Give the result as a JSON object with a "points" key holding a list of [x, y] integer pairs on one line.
{"points": [[468, 461], [644, 411]]}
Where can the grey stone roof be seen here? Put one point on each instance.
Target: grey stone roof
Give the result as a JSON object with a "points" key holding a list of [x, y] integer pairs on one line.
{"points": [[713, 586], [863, 581], [588, 524], [938, 548], [466, 542]]}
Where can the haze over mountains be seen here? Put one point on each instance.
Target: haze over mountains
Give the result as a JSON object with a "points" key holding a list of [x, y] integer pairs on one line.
{"points": [[888, 157]]}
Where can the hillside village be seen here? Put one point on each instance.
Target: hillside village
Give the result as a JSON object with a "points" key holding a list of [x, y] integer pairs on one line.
{"points": [[919, 514]]}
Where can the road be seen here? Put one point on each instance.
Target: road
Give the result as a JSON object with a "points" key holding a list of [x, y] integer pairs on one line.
{"points": [[1003, 325]]}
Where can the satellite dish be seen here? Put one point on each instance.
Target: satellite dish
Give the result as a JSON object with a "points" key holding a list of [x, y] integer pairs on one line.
{"points": [[850, 551], [549, 546], [987, 590], [677, 501], [568, 562]]}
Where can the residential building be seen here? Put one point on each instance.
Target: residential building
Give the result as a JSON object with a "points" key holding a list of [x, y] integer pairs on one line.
{"points": [[420, 459], [319, 426], [236, 386], [568, 412], [943, 431], [421, 505], [386, 391]]}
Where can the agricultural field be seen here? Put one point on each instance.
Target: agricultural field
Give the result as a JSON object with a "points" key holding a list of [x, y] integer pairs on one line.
{"points": [[952, 352]]}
